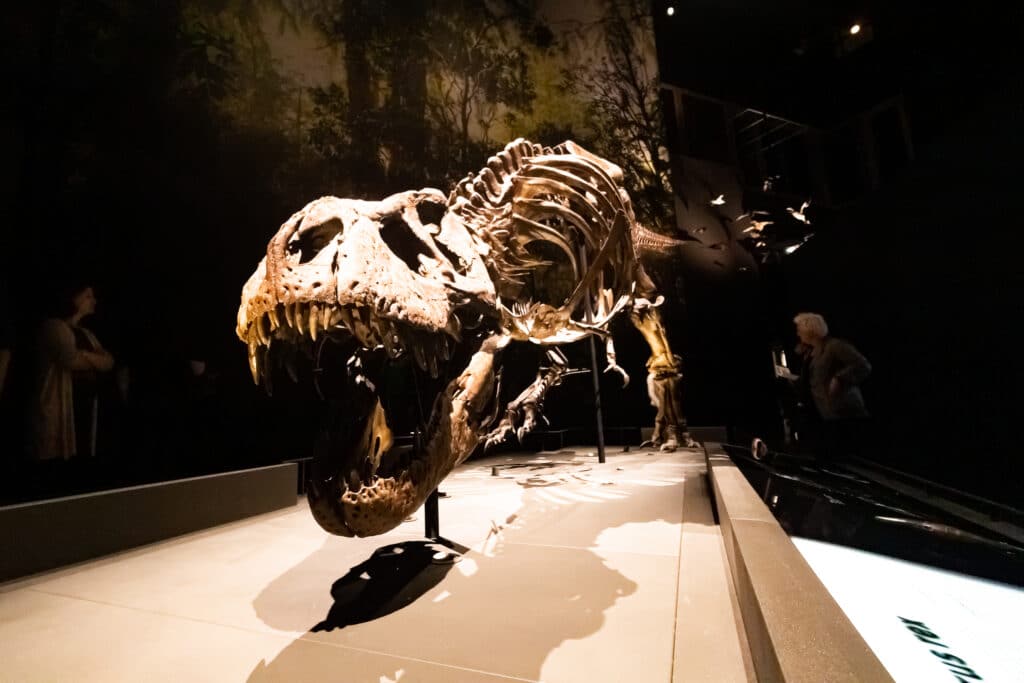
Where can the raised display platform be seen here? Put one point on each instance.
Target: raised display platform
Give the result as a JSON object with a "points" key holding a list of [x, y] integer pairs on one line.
{"points": [[570, 570], [573, 571], [52, 533]]}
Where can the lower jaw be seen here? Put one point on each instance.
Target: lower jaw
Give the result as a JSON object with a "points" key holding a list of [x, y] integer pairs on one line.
{"points": [[377, 507]]}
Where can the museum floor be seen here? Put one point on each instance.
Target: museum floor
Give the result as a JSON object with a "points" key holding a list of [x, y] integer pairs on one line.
{"points": [[575, 571]]}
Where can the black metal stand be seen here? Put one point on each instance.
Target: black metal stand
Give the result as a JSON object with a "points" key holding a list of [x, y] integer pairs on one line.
{"points": [[593, 365], [597, 395], [431, 516], [432, 520]]}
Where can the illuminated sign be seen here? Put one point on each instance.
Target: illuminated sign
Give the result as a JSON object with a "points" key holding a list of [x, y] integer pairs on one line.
{"points": [[923, 623]]}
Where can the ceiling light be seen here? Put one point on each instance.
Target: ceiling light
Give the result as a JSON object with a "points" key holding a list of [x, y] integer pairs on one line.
{"points": [[855, 29], [670, 11]]}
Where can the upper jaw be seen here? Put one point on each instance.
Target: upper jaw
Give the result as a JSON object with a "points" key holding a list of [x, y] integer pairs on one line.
{"points": [[372, 328], [426, 322]]}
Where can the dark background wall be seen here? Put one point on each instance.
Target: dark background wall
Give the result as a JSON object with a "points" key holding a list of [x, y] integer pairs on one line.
{"points": [[924, 276], [918, 266]]}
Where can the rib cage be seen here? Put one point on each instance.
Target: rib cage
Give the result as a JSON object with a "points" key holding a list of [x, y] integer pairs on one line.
{"points": [[483, 202], [566, 197]]}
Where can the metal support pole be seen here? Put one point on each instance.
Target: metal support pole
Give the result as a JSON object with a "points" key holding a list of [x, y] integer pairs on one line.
{"points": [[593, 363], [431, 515]]}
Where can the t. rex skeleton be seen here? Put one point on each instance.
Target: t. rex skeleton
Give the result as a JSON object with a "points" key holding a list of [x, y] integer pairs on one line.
{"points": [[451, 281]]}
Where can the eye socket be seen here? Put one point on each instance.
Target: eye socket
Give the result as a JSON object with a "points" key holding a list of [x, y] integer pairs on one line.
{"points": [[431, 212], [308, 242], [403, 242]]}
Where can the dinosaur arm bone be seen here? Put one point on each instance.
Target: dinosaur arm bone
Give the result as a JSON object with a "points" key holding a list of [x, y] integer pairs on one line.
{"points": [[612, 365], [526, 410]]}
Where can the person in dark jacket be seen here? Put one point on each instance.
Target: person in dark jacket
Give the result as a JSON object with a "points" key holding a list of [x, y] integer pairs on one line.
{"points": [[833, 372]]}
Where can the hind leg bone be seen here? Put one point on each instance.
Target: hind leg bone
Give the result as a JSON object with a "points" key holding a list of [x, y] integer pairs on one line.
{"points": [[664, 381]]}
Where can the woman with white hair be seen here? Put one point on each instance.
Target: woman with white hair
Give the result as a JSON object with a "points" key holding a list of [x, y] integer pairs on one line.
{"points": [[833, 372]]}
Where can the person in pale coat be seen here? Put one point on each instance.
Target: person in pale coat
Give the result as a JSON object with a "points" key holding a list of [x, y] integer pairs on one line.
{"points": [[66, 350]]}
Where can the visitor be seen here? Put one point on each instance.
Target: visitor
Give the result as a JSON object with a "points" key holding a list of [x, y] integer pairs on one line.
{"points": [[63, 408], [833, 371]]}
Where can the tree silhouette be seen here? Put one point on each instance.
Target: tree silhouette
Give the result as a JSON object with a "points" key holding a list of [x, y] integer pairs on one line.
{"points": [[424, 85], [478, 69], [207, 62], [331, 135], [622, 104]]}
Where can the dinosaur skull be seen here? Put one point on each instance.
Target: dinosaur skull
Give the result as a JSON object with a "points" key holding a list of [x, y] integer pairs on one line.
{"points": [[391, 271], [385, 279]]}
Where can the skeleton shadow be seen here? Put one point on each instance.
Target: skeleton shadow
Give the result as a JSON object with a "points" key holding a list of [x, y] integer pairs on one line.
{"points": [[393, 577], [380, 626]]}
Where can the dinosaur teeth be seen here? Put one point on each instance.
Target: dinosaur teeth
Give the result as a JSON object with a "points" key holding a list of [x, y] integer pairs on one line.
{"points": [[361, 327], [365, 324], [366, 316], [345, 316], [314, 320], [254, 365], [432, 362], [373, 327], [355, 322], [421, 357], [454, 328], [376, 332], [391, 343], [384, 330], [388, 339], [262, 331], [289, 366]]}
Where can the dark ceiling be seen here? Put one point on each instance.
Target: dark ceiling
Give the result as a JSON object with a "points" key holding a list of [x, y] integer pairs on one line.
{"points": [[798, 59]]}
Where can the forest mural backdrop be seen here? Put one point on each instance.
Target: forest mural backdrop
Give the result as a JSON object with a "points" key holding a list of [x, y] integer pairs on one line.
{"points": [[168, 140], [158, 145]]}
